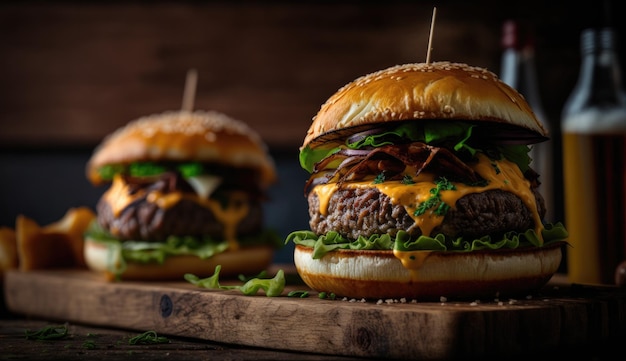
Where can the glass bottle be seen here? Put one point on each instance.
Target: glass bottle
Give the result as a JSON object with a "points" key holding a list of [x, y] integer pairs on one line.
{"points": [[594, 137], [518, 71]]}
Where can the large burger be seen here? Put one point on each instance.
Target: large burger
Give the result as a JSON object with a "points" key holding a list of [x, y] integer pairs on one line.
{"points": [[420, 187], [186, 194]]}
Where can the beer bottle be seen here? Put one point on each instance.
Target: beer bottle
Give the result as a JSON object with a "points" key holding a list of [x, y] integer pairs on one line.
{"points": [[594, 174]]}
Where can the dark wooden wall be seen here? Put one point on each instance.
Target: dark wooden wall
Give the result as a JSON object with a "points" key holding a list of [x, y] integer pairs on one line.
{"points": [[71, 72]]}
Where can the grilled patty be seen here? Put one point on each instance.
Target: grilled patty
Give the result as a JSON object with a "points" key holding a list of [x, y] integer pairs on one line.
{"points": [[366, 211], [146, 221]]}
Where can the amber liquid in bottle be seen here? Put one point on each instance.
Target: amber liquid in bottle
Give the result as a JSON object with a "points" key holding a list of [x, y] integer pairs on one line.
{"points": [[595, 201]]}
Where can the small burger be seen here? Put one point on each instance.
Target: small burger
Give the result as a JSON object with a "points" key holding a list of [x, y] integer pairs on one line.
{"points": [[186, 194], [421, 188]]}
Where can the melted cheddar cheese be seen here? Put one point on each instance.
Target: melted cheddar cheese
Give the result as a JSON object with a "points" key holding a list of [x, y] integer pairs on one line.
{"points": [[499, 174], [230, 215]]}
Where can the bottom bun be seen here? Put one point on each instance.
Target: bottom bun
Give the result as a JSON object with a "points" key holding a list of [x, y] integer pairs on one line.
{"points": [[379, 274], [246, 260]]}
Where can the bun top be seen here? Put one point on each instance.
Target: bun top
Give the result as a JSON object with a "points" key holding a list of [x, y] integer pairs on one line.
{"points": [[439, 90], [202, 136]]}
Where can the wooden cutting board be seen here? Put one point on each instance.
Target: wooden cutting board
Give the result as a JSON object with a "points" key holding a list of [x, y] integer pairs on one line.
{"points": [[558, 316]]}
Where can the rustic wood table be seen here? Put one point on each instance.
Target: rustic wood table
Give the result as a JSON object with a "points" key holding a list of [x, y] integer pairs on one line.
{"points": [[101, 320], [97, 343]]}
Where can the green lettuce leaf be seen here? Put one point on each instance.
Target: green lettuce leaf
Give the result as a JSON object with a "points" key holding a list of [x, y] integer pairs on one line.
{"points": [[119, 253], [308, 156], [151, 169], [517, 154], [273, 287], [331, 241]]}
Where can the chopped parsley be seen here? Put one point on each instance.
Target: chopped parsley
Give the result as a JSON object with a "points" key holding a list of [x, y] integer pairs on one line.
{"points": [[148, 337], [434, 201], [48, 333], [407, 179], [324, 295], [89, 344], [297, 293], [380, 178]]}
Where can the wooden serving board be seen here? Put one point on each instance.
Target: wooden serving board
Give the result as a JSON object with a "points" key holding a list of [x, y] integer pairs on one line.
{"points": [[558, 316]]}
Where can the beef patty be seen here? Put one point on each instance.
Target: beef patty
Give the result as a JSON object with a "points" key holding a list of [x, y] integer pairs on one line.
{"points": [[355, 212], [144, 220]]}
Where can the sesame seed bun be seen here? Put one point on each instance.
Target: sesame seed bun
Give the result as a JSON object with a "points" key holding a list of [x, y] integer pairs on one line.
{"points": [[203, 136], [439, 90], [379, 274]]}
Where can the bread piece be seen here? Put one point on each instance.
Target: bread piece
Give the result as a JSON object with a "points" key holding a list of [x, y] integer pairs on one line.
{"points": [[380, 274], [246, 260], [440, 90], [182, 136]]}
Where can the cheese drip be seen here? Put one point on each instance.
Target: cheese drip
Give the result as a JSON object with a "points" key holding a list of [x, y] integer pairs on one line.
{"points": [[499, 174], [229, 215]]}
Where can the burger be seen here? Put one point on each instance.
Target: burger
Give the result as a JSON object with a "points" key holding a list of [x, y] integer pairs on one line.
{"points": [[420, 187], [186, 192]]}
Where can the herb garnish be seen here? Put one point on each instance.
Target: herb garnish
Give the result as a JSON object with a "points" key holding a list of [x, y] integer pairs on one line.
{"points": [[108, 171], [272, 286], [441, 208], [89, 344], [407, 179], [188, 170], [48, 333], [146, 169], [301, 294], [148, 337], [151, 169], [380, 178], [323, 295], [244, 278]]}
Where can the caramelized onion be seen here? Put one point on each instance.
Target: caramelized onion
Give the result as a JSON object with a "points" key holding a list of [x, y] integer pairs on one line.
{"points": [[357, 137], [391, 160]]}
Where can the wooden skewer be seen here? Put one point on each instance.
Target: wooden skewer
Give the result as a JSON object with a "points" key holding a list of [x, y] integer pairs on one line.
{"points": [[430, 36], [190, 90]]}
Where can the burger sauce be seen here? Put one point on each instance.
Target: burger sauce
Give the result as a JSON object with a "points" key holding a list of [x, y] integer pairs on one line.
{"points": [[594, 138]]}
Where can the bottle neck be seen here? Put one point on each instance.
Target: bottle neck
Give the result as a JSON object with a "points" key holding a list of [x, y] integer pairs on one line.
{"points": [[511, 57], [518, 65], [529, 86], [598, 102], [599, 72]]}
